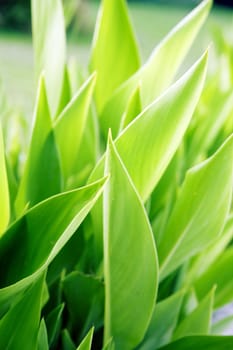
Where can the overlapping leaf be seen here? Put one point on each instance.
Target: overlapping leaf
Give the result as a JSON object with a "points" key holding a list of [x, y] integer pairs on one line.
{"points": [[115, 54], [49, 41], [41, 178], [159, 71], [20, 325], [69, 128], [206, 193], [130, 282], [44, 230]]}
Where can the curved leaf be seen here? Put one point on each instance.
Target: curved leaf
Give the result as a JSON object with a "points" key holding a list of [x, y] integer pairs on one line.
{"points": [[86, 343], [200, 211], [130, 259], [36, 238], [159, 71]]}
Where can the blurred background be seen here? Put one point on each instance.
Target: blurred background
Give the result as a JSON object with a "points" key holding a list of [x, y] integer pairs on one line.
{"points": [[152, 19]]}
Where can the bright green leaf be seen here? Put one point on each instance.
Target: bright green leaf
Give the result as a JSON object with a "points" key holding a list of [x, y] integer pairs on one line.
{"points": [[159, 71], [200, 211], [163, 322], [49, 41], [86, 343], [4, 191], [130, 259], [148, 144], [198, 321], [115, 53], [133, 108], [41, 177], [20, 325], [220, 274], [65, 93], [44, 230], [42, 337], [70, 125]]}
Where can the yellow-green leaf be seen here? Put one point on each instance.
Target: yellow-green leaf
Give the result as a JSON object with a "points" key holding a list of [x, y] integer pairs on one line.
{"points": [[4, 191], [130, 259]]}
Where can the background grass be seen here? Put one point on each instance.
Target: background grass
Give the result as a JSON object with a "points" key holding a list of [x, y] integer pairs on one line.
{"points": [[151, 23]]}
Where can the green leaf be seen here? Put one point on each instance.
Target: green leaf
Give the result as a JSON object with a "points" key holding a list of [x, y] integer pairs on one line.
{"points": [[219, 274], [58, 217], [113, 42], [159, 128], [49, 41], [42, 337], [53, 324], [158, 72], [4, 191], [84, 295], [163, 322], [207, 257], [201, 342], [86, 343], [130, 260], [198, 321], [20, 325], [133, 108], [201, 210], [70, 124], [65, 93], [67, 343], [41, 177]]}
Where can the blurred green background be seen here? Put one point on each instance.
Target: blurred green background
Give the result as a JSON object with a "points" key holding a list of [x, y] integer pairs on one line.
{"points": [[151, 19]]}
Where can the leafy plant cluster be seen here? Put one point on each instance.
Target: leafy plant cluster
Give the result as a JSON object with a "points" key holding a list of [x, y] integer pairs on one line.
{"points": [[116, 225]]}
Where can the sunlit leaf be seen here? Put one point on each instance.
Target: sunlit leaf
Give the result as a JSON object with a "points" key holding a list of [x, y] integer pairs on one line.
{"points": [[70, 124], [114, 53], [86, 343], [198, 321], [42, 337], [159, 71], [49, 41], [219, 274], [44, 230], [163, 322], [130, 235], [41, 177], [205, 193]]}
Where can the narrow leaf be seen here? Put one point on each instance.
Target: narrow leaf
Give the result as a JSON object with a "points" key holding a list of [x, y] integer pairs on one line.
{"points": [[4, 191], [86, 343], [198, 321], [113, 42], [42, 337], [206, 192], [201, 342], [70, 124], [49, 41], [128, 258], [41, 177]]}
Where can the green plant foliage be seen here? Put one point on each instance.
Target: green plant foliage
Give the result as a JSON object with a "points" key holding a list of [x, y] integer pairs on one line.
{"points": [[4, 191], [48, 25], [122, 307], [122, 243]]}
